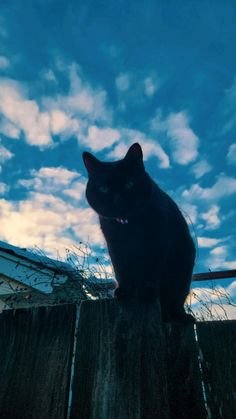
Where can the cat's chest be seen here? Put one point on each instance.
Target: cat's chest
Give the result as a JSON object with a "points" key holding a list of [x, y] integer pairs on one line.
{"points": [[132, 231]]}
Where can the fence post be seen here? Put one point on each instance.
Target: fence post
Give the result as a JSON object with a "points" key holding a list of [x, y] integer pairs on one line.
{"points": [[120, 370]]}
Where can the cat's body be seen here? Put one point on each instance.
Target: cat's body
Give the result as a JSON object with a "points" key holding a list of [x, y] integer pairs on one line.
{"points": [[148, 239]]}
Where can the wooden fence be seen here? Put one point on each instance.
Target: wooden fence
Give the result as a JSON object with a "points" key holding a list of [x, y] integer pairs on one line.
{"points": [[102, 360]]}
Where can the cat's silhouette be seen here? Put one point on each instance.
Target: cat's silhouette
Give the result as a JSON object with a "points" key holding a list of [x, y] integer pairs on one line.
{"points": [[147, 236]]}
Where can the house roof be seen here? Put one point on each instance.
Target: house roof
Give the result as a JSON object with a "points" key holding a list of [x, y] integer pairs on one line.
{"points": [[31, 270], [37, 259], [49, 277]]}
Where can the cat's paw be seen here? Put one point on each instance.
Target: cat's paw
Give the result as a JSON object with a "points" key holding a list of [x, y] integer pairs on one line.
{"points": [[176, 315], [187, 318], [183, 318], [123, 293]]}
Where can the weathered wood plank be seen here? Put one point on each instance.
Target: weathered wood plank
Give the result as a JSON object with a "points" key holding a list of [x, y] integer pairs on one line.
{"points": [[120, 366], [217, 341], [35, 352], [184, 378]]}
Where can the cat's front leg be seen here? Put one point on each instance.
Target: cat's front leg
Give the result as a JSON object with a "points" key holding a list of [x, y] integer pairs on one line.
{"points": [[124, 293], [146, 294]]}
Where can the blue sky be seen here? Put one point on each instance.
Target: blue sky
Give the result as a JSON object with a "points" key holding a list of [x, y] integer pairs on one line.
{"points": [[98, 76]]}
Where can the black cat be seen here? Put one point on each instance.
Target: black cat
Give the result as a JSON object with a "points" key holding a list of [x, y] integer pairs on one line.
{"points": [[147, 236]]}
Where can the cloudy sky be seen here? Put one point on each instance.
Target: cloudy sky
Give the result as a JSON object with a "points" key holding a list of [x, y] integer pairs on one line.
{"points": [[98, 76]]}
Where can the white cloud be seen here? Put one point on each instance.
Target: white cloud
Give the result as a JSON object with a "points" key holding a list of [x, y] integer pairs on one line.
{"points": [[211, 217], [231, 289], [231, 156], [153, 149], [83, 113], [189, 211], [5, 154], [208, 241], [46, 220], [60, 122], [9, 129], [82, 100], [101, 138], [3, 188], [75, 191], [119, 151], [201, 168], [150, 147], [182, 140], [224, 311], [212, 302], [48, 75], [134, 90], [158, 123], [50, 179], [65, 115], [49, 223], [224, 186], [123, 82], [87, 228], [219, 251], [207, 294], [24, 114], [220, 259], [150, 87], [4, 62]]}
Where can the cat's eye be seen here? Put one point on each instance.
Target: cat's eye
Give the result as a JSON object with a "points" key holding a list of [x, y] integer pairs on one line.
{"points": [[103, 189], [128, 185]]}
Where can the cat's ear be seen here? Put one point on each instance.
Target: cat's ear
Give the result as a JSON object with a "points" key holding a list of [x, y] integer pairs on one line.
{"points": [[135, 153], [91, 163]]}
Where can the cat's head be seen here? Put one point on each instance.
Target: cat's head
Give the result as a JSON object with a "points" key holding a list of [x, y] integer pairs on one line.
{"points": [[120, 188]]}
